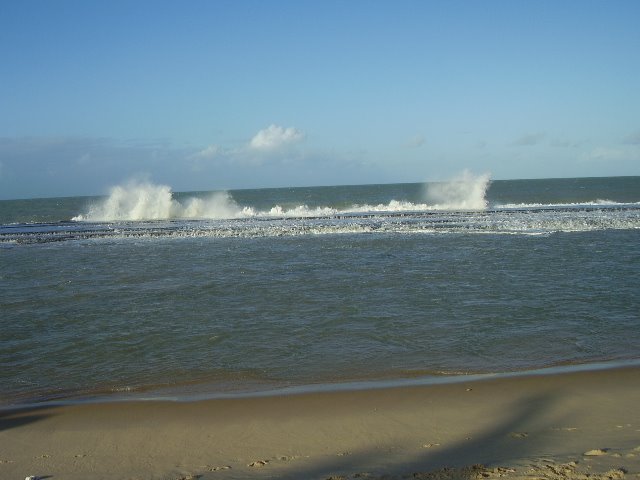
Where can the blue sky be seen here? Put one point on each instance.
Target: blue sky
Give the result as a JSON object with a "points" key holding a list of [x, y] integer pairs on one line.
{"points": [[203, 95]]}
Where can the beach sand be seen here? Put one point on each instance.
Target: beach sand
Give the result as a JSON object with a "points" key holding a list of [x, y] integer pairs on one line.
{"points": [[580, 425]]}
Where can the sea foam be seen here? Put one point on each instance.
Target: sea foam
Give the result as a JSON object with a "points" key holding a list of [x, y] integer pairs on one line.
{"points": [[147, 201], [138, 201]]}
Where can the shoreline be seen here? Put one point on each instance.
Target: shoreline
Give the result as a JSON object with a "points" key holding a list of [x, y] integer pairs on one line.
{"points": [[532, 423], [196, 392]]}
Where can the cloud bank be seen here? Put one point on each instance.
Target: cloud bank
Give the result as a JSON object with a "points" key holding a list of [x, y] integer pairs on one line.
{"points": [[68, 166]]}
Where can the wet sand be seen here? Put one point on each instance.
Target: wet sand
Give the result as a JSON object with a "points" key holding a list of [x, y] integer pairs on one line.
{"points": [[578, 426]]}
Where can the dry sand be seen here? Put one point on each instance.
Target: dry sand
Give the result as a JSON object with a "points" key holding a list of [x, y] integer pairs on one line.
{"points": [[579, 426]]}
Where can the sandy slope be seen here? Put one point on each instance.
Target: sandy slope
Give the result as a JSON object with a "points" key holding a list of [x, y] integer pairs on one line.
{"points": [[533, 427]]}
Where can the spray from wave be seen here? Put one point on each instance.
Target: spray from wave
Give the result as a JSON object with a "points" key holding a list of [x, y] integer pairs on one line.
{"points": [[146, 201], [464, 192], [140, 201]]}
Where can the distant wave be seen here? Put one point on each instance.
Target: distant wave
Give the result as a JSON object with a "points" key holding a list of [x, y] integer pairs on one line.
{"points": [[524, 221], [592, 203], [135, 201]]}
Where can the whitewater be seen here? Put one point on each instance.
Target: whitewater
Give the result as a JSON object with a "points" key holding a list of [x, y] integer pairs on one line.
{"points": [[147, 201], [466, 203]]}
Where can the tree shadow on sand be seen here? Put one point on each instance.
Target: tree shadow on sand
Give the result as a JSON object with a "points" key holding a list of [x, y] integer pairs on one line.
{"points": [[504, 442], [18, 417]]}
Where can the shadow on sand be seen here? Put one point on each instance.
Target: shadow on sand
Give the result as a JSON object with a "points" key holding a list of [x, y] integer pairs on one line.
{"points": [[497, 445], [18, 417]]}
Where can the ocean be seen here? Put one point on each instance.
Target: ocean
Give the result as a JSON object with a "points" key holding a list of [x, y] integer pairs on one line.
{"points": [[147, 294]]}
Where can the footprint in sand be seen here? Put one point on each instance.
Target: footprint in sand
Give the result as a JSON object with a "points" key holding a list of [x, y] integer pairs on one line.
{"points": [[518, 434], [286, 458], [215, 469], [430, 445], [258, 463]]}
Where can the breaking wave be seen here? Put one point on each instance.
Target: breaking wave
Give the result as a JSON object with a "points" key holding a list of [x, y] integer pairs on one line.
{"points": [[464, 192], [149, 211], [135, 201], [146, 201]]}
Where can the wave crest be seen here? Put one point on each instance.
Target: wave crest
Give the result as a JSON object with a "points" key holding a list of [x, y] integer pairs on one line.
{"points": [[464, 192], [136, 201], [146, 201]]}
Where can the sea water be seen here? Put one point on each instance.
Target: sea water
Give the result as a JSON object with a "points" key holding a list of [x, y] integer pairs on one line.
{"points": [[150, 293]]}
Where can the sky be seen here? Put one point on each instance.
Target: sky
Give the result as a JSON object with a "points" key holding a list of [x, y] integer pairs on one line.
{"points": [[215, 94]]}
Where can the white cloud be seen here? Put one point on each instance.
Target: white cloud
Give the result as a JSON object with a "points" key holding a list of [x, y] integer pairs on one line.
{"points": [[200, 159], [606, 154], [274, 137], [207, 153]]}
